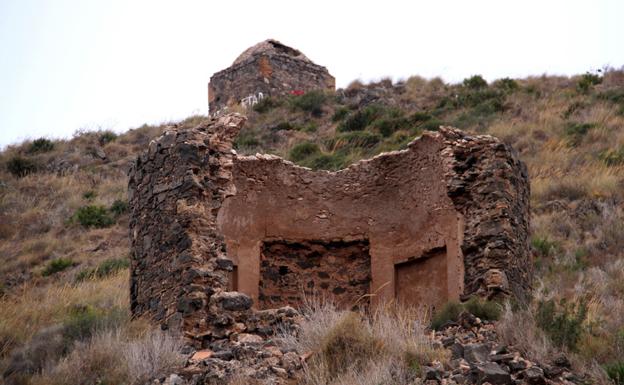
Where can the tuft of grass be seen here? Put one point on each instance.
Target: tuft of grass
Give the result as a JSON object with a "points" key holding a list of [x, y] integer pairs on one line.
{"points": [[40, 145], [543, 246], [575, 132], [93, 216], [266, 104], [104, 269], [562, 322], [587, 82], [340, 114], [615, 371], [20, 166], [57, 265], [119, 207], [449, 312]]}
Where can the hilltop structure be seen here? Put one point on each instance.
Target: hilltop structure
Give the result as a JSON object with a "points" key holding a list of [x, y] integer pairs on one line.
{"points": [[215, 234], [269, 68]]}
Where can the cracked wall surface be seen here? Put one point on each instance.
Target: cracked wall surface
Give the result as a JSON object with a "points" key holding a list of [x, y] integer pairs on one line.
{"points": [[444, 219]]}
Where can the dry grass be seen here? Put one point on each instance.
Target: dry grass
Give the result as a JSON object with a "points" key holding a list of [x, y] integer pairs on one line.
{"points": [[386, 346], [34, 308], [114, 357]]}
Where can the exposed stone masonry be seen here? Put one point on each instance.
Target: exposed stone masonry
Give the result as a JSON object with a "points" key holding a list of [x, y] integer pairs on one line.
{"points": [[201, 215], [269, 68]]}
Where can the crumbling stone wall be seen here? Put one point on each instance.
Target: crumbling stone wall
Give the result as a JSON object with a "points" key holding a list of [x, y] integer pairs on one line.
{"points": [[442, 220], [267, 69]]}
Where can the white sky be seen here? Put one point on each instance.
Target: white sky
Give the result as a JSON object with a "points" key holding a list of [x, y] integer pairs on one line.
{"points": [[116, 64]]}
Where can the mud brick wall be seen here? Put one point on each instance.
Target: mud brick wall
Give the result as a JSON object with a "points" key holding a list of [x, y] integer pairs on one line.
{"points": [[444, 219]]}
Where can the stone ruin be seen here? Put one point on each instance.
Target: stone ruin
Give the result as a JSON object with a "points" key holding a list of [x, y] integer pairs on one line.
{"points": [[269, 68], [220, 239]]}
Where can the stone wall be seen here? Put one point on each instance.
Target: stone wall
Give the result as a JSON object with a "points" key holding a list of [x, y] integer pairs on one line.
{"points": [[265, 73], [444, 219]]}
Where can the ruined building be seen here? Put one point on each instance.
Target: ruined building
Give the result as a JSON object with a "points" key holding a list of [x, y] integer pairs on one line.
{"points": [[442, 220], [269, 68]]}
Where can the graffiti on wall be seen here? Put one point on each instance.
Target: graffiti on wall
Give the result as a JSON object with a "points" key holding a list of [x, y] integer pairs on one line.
{"points": [[251, 100]]}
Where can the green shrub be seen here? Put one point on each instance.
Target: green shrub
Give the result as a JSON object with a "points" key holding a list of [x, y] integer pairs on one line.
{"points": [[419, 117], [311, 102], [562, 322], [475, 82], [587, 81], [340, 114], [89, 195], [106, 137], [331, 162], [283, 126], [84, 321], [543, 246], [432, 125], [119, 207], [265, 104], [576, 131], [303, 150], [57, 265], [93, 216], [246, 139], [615, 371], [449, 313], [506, 84], [20, 166], [612, 157], [104, 269], [360, 119], [486, 310], [40, 145]]}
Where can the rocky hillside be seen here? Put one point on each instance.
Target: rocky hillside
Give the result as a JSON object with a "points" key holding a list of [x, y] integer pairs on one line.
{"points": [[63, 222]]}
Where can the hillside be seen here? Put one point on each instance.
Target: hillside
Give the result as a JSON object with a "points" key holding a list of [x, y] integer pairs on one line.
{"points": [[64, 232]]}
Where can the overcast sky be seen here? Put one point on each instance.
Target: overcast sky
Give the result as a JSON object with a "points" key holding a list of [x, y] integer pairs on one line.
{"points": [[116, 64]]}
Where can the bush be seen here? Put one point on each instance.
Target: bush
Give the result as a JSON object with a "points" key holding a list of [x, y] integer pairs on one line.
{"points": [[615, 371], [587, 81], [331, 162], [576, 131], [119, 207], [19, 166], [486, 310], [84, 321], [93, 216], [543, 246], [349, 345], [562, 322], [89, 195], [303, 150], [246, 139], [450, 312], [475, 82], [360, 119], [340, 114], [506, 84], [106, 137], [57, 265], [40, 145], [265, 104], [311, 102], [612, 157], [283, 126], [104, 269]]}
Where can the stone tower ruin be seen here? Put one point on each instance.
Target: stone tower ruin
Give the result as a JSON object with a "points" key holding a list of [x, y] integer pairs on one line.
{"points": [[444, 219], [269, 68]]}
